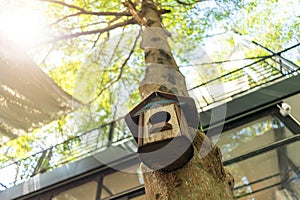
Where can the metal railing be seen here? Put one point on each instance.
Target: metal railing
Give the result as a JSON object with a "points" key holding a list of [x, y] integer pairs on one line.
{"points": [[73, 149], [255, 73], [261, 71]]}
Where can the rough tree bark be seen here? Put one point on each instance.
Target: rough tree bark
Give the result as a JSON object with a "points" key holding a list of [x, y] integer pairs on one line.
{"points": [[204, 177]]}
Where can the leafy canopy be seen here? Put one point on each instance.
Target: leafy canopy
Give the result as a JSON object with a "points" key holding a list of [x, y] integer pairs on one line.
{"points": [[91, 49]]}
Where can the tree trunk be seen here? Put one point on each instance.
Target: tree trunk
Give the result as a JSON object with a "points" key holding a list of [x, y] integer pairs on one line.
{"points": [[204, 176]]}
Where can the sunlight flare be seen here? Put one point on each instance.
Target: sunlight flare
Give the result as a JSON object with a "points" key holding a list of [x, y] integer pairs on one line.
{"points": [[21, 25]]}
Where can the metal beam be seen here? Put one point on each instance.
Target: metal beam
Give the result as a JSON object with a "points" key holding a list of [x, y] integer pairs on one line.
{"points": [[248, 103], [263, 149]]}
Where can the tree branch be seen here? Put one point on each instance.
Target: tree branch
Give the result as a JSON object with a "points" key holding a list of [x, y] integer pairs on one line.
{"points": [[65, 17], [134, 12], [116, 47], [92, 13], [46, 56], [120, 73], [109, 28], [86, 12], [183, 3], [188, 4], [65, 4], [108, 13], [86, 25]]}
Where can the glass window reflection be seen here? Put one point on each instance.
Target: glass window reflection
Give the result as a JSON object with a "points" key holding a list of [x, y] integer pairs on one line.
{"points": [[267, 176], [121, 181], [85, 191], [250, 136]]}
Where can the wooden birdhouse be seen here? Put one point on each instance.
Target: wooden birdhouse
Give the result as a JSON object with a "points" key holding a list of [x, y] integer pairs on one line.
{"points": [[160, 125]]}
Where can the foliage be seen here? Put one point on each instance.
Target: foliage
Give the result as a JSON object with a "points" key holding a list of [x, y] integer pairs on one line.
{"points": [[87, 50]]}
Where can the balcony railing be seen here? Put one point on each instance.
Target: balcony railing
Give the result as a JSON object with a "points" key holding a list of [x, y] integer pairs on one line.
{"points": [[259, 72], [248, 74], [76, 148]]}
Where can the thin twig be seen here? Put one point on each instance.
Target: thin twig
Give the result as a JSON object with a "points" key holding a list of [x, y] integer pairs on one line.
{"points": [[47, 55], [114, 19], [109, 28], [188, 4], [86, 12], [224, 61], [103, 44], [116, 47], [64, 18], [95, 41], [120, 72], [87, 25], [65, 4], [183, 3], [118, 14]]}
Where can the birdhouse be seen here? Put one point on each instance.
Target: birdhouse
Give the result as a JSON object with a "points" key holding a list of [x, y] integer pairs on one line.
{"points": [[160, 125]]}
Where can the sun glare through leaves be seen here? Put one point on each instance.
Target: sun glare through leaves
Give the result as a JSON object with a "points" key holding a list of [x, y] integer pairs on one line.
{"points": [[21, 23]]}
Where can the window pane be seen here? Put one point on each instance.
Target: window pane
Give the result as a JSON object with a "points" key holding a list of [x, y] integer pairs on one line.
{"points": [[120, 181], [86, 191], [143, 197], [271, 175], [267, 175], [250, 136]]}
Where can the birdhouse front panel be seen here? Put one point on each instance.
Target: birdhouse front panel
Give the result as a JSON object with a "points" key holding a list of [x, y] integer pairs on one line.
{"points": [[161, 123]]}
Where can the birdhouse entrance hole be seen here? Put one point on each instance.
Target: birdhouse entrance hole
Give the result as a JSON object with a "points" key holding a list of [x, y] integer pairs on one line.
{"points": [[159, 122]]}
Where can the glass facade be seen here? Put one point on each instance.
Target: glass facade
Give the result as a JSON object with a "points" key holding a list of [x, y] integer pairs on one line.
{"points": [[267, 174], [121, 181], [86, 191], [261, 153], [142, 197], [245, 138], [261, 175]]}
